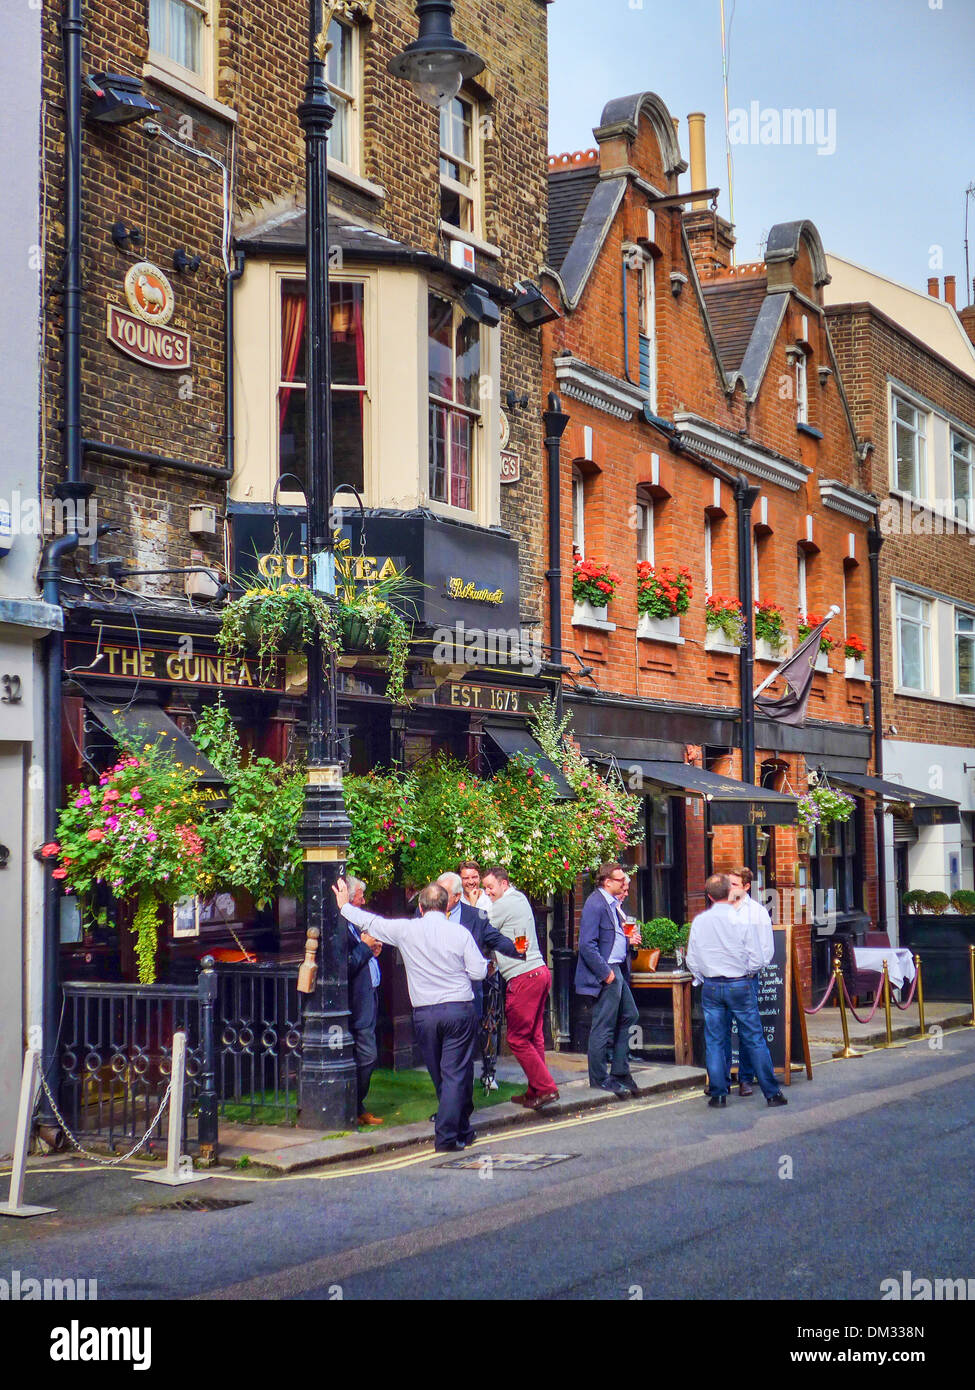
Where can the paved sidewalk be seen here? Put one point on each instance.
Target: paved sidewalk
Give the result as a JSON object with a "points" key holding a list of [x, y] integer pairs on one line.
{"points": [[825, 1027], [281, 1150]]}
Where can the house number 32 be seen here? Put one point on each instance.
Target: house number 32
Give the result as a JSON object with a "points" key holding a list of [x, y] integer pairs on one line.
{"points": [[12, 690]]}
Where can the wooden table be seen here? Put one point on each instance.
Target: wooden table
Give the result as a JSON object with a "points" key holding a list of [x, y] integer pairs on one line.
{"points": [[679, 984]]}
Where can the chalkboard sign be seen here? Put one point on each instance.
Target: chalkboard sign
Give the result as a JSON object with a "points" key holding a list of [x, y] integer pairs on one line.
{"points": [[780, 1008]]}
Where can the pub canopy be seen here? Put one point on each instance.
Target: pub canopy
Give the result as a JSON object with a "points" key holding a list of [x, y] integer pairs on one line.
{"points": [[925, 807], [730, 802]]}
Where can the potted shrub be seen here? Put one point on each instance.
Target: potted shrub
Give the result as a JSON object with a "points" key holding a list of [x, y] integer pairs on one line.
{"points": [[593, 585], [663, 935], [854, 650], [937, 902], [725, 623], [770, 639], [662, 595], [963, 901], [914, 900], [826, 643]]}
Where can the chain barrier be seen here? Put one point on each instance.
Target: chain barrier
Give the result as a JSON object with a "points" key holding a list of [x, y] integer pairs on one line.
{"points": [[96, 1158], [823, 1002]]}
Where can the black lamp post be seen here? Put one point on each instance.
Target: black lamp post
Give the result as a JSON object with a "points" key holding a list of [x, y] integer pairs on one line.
{"points": [[436, 64], [327, 1095]]}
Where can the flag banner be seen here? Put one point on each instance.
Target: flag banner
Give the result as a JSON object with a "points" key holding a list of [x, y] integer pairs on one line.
{"points": [[797, 671]]}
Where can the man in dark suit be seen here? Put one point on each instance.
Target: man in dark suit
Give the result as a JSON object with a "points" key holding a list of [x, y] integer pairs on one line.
{"points": [[363, 1006], [602, 973], [488, 939]]}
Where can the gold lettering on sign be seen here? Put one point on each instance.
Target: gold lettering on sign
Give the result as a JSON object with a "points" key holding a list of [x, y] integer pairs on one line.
{"points": [[461, 589]]}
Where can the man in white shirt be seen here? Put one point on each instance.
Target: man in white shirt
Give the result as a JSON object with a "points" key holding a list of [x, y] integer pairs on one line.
{"points": [[761, 925], [441, 960], [722, 955]]}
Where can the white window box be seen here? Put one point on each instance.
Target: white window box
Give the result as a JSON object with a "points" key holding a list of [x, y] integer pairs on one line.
{"points": [[585, 615], [854, 669], [715, 640], [660, 629], [822, 662], [764, 651]]}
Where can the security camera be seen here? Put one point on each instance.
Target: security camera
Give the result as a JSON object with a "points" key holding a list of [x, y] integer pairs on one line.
{"points": [[151, 129]]}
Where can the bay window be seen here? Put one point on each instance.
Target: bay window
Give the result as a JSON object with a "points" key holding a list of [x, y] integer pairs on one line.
{"points": [[455, 402], [348, 382]]}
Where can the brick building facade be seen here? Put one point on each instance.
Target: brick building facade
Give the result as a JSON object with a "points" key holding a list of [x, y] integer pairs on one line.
{"points": [[682, 374], [910, 374]]}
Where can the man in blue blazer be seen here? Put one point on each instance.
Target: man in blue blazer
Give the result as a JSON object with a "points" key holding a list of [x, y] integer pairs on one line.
{"points": [[603, 973], [363, 1007]]}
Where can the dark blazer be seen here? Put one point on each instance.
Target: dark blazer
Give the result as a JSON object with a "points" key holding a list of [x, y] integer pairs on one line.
{"points": [[362, 999], [597, 934], [488, 938]]}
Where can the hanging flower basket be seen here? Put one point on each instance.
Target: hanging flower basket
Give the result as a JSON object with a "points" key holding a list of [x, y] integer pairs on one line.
{"points": [[822, 807], [276, 619]]}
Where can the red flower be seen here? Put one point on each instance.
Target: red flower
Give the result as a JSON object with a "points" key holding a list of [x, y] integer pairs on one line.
{"points": [[49, 850], [96, 835], [60, 873]]}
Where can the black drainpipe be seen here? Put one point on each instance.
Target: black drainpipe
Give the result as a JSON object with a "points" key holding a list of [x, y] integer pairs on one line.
{"points": [[556, 423], [228, 371], [874, 541], [745, 498]]}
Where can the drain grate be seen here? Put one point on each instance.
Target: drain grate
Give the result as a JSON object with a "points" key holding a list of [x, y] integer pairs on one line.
{"points": [[505, 1163], [199, 1204]]}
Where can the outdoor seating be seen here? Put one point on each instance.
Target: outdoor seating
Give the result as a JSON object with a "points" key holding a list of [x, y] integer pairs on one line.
{"points": [[859, 982]]}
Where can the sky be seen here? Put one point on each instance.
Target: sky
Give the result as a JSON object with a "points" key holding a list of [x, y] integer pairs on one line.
{"points": [[889, 83]]}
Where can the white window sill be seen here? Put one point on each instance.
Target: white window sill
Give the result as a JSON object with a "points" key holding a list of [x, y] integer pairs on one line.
{"points": [[485, 248], [663, 641], [597, 624], [343, 174], [864, 679], [163, 78]]}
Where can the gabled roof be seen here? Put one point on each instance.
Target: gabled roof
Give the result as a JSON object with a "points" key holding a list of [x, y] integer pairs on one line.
{"points": [[733, 307], [569, 192]]}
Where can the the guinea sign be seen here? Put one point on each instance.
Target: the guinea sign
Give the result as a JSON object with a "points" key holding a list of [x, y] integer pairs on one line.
{"points": [[144, 333]]}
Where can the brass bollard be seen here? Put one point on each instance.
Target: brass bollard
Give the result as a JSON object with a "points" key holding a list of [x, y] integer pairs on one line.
{"points": [[920, 996], [890, 1035], [971, 963], [846, 1050]]}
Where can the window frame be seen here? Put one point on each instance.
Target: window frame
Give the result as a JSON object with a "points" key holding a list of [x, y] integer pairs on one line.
{"points": [[926, 627], [647, 325], [802, 576], [282, 280], [920, 433], [473, 192], [203, 81], [578, 512], [802, 389], [963, 614], [353, 98], [956, 437], [476, 414], [708, 557], [645, 547]]}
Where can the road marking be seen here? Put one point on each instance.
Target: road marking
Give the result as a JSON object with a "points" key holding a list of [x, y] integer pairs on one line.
{"points": [[781, 1125]]}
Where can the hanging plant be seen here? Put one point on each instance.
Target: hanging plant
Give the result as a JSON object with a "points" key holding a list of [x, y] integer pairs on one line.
{"points": [[275, 618], [137, 832], [770, 625], [855, 649], [722, 612], [369, 618], [663, 592], [380, 806], [823, 806]]}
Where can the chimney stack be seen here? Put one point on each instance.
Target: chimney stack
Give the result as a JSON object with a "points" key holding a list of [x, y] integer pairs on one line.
{"points": [[933, 287], [699, 158], [950, 290]]}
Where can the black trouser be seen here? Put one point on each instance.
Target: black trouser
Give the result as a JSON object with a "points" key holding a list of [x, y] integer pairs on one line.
{"points": [[613, 1014], [366, 1054], [447, 1034]]}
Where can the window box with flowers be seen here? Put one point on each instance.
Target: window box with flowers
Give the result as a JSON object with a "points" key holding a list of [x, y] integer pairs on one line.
{"points": [[771, 642], [725, 623], [826, 642], [662, 595], [593, 585], [855, 650]]}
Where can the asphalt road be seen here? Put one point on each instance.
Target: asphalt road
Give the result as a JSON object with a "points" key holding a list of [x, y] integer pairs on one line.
{"points": [[867, 1173]]}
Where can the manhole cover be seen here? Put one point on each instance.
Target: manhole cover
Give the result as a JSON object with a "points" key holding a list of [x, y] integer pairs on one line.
{"points": [[199, 1204], [518, 1163]]}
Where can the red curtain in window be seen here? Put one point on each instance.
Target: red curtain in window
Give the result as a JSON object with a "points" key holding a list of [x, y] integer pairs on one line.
{"points": [[292, 337], [347, 328]]}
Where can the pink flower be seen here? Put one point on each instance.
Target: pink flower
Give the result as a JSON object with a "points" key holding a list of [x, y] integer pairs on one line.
{"points": [[112, 795], [96, 835], [83, 800], [60, 873], [412, 844], [152, 836], [112, 823], [50, 850], [135, 794]]}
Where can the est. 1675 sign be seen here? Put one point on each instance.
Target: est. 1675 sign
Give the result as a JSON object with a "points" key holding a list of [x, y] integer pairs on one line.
{"points": [[143, 331]]}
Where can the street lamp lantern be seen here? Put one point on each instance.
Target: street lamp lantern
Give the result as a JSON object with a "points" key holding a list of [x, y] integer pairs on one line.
{"points": [[436, 64]]}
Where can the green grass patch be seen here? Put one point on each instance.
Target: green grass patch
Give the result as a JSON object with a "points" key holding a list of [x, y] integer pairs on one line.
{"points": [[397, 1097]]}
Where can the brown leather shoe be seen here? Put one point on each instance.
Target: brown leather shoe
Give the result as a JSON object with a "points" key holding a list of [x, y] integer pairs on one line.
{"points": [[525, 1098], [745, 1090], [545, 1098], [366, 1119]]}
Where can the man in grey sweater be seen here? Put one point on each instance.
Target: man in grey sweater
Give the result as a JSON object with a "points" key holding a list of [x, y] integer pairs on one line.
{"points": [[528, 983]]}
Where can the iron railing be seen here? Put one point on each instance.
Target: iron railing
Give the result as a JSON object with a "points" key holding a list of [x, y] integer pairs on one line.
{"points": [[258, 1040]]}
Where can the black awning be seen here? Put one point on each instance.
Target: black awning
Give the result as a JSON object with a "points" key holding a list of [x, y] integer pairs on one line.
{"points": [[511, 739], [153, 725], [926, 807], [731, 802]]}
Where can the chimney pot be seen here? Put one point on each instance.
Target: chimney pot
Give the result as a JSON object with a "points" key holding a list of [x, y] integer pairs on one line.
{"points": [[950, 290], [933, 287], [699, 158]]}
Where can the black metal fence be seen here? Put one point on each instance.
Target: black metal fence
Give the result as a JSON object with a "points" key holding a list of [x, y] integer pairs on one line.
{"points": [[243, 1037]]}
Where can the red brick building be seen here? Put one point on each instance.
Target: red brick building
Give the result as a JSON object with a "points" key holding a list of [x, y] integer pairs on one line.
{"points": [[687, 380]]}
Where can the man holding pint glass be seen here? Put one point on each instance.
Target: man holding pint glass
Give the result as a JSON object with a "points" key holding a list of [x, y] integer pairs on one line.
{"points": [[528, 984]]}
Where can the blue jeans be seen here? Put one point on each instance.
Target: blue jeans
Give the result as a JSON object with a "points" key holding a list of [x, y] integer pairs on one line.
{"points": [[722, 1001], [746, 1072]]}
